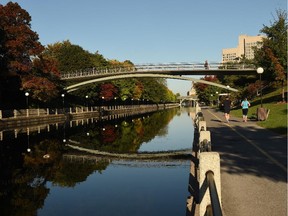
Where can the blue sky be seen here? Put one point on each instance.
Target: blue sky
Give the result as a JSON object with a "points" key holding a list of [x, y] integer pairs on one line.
{"points": [[151, 31]]}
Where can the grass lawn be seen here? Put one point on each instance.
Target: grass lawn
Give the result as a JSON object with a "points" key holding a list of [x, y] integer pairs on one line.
{"points": [[277, 119]]}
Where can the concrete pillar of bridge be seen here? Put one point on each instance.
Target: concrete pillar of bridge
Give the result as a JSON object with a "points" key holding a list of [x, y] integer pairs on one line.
{"points": [[208, 161]]}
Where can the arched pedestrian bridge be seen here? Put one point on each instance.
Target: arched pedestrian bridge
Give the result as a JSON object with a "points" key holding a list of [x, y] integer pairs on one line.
{"points": [[165, 70]]}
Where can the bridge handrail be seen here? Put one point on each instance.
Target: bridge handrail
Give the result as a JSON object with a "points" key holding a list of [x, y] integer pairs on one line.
{"points": [[215, 207], [153, 67]]}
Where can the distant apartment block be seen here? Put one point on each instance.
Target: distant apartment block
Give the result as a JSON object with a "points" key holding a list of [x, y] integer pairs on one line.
{"points": [[244, 48]]}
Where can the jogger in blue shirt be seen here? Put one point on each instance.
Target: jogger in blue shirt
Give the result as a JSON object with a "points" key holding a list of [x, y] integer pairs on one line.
{"points": [[245, 105]]}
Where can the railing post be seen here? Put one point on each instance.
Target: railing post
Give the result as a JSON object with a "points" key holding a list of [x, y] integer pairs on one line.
{"points": [[202, 126], [204, 141]]}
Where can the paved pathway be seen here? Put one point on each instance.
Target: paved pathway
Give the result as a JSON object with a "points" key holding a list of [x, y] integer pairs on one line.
{"points": [[253, 166]]}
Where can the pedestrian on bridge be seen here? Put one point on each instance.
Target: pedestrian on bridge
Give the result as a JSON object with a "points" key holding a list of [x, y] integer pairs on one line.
{"points": [[206, 65], [245, 105], [227, 107]]}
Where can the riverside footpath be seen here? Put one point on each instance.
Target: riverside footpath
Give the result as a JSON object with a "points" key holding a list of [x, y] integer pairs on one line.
{"points": [[253, 166]]}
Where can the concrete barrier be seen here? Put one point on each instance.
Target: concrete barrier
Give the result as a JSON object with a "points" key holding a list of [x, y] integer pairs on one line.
{"points": [[201, 173], [204, 135], [199, 117], [201, 126], [205, 141]]}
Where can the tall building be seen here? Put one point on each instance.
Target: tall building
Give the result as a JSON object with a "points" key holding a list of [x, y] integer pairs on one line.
{"points": [[192, 91], [244, 48]]}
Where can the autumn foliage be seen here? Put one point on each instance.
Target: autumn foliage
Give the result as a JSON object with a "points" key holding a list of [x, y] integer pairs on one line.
{"points": [[20, 56], [18, 43]]}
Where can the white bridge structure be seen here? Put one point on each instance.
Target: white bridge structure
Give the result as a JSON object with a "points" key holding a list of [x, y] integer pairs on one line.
{"points": [[161, 70]]}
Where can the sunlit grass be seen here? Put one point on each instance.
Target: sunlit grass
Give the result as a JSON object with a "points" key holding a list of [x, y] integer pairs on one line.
{"points": [[277, 119]]}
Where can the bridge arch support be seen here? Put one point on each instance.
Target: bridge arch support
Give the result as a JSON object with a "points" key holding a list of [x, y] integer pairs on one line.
{"points": [[123, 76]]}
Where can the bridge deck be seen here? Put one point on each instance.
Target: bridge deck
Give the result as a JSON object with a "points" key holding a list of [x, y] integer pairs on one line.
{"points": [[166, 69], [87, 75]]}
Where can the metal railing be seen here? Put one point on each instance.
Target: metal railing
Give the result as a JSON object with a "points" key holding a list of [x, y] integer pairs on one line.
{"points": [[183, 66], [215, 208]]}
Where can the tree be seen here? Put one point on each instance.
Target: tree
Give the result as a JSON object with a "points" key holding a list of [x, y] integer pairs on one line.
{"points": [[273, 53], [43, 80], [98, 60], [137, 93], [18, 43], [70, 57], [206, 93], [22, 66], [107, 91]]}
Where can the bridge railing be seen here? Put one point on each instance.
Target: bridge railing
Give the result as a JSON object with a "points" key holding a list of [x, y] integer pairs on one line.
{"points": [[90, 72], [192, 66]]}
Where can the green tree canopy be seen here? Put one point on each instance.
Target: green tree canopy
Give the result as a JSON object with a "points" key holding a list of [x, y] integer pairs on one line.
{"points": [[71, 57], [272, 55]]}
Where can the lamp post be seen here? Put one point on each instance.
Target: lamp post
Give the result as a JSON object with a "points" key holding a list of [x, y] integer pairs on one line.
{"points": [[27, 103], [124, 101], [63, 101], [27, 94], [217, 98], [260, 70], [28, 140], [115, 103], [212, 99], [102, 100], [64, 133], [87, 101]]}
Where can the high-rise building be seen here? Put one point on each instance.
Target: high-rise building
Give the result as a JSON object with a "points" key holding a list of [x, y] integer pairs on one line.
{"points": [[244, 48]]}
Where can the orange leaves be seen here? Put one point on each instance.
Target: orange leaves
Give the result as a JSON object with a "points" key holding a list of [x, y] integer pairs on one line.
{"points": [[19, 42], [108, 91], [43, 89], [279, 70], [46, 64]]}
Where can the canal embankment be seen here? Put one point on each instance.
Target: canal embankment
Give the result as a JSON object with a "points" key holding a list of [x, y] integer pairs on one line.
{"points": [[10, 119]]}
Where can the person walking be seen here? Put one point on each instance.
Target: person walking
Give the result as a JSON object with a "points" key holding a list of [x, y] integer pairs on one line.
{"points": [[227, 107], [206, 65], [245, 105]]}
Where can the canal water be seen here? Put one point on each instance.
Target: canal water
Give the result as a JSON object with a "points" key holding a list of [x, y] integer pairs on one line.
{"points": [[42, 173]]}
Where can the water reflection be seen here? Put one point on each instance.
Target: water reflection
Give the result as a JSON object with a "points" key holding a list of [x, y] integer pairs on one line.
{"points": [[36, 182], [142, 134]]}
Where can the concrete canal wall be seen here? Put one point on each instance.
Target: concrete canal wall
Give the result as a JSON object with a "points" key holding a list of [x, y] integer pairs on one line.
{"points": [[11, 119]]}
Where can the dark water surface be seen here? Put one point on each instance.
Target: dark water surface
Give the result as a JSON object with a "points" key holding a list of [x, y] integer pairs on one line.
{"points": [[53, 179], [124, 189]]}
